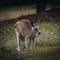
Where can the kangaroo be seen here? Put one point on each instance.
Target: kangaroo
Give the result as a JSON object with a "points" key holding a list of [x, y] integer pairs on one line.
{"points": [[27, 31]]}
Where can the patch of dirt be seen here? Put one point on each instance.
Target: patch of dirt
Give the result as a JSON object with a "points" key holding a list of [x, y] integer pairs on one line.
{"points": [[15, 14]]}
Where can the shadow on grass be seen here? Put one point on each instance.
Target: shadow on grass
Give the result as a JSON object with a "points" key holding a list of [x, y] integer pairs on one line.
{"points": [[9, 54], [44, 53]]}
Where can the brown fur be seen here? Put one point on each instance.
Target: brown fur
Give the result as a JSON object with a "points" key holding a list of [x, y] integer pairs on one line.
{"points": [[24, 27]]}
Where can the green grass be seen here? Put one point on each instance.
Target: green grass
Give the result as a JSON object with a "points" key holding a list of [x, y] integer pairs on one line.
{"points": [[47, 45]]}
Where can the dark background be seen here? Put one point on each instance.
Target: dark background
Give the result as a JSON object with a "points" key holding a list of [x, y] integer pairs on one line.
{"points": [[16, 2], [40, 4], [26, 2]]}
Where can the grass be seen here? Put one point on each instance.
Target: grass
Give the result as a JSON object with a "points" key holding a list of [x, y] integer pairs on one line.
{"points": [[47, 45], [50, 33], [44, 53]]}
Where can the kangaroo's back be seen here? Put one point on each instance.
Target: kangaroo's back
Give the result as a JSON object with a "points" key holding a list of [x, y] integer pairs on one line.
{"points": [[24, 27]]}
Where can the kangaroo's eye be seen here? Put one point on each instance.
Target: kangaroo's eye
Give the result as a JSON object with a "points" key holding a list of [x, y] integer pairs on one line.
{"points": [[35, 29], [32, 23]]}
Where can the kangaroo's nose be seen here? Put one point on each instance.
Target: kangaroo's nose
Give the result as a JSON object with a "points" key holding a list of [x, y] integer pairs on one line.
{"points": [[39, 33]]}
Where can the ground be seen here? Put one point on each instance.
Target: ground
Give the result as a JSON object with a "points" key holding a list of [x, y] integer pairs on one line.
{"points": [[47, 45]]}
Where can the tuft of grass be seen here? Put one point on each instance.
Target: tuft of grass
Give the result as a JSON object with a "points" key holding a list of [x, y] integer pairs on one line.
{"points": [[7, 38], [16, 8]]}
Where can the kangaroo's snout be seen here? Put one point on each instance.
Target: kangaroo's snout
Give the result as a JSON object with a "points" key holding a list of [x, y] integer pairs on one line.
{"points": [[39, 33]]}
